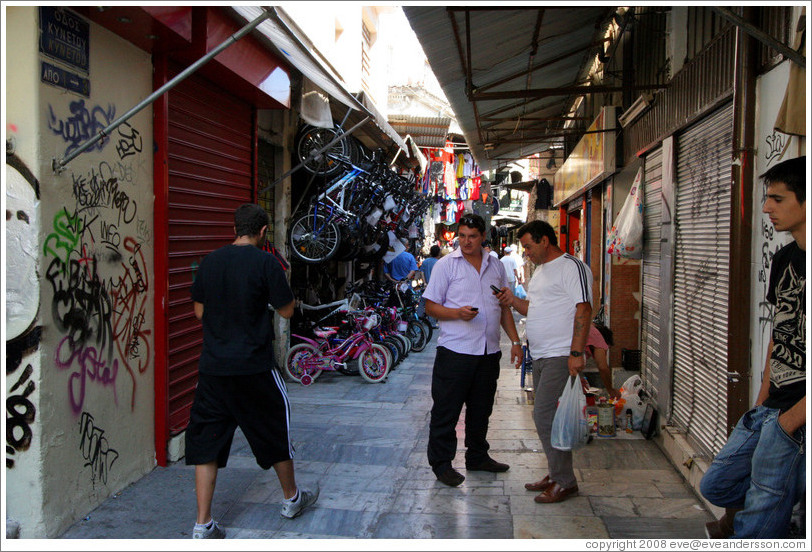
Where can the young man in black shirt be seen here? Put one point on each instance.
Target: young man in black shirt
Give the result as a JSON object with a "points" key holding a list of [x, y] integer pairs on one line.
{"points": [[233, 292], [760, 473]]}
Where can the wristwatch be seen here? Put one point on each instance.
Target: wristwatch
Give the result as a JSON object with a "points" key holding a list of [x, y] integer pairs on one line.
{"points": [[515, 342], [576, 354]]}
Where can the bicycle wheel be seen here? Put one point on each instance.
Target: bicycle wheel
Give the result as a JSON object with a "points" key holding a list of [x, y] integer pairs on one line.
{"points": [[400, 350], [372, 364], [417, 335], [406, 341], [390, 359], [294, 363], [312, 139], [313, 238], [429, 329]]}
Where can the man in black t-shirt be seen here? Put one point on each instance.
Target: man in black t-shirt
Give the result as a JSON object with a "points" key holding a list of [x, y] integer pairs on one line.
{"points": [[238, 385], [760, 473]]}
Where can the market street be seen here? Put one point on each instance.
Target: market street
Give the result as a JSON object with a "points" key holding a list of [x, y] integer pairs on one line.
{"points": [[365, 444]]}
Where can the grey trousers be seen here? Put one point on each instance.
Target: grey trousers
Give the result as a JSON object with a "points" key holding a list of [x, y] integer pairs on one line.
{"points": [[550, 375]]}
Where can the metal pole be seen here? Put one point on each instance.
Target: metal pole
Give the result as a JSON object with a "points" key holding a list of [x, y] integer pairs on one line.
{"points": [[312, 155], [760, 35], [59, 164]]}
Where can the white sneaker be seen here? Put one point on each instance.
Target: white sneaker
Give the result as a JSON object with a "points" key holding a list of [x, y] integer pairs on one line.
{"points": [[291, 509], [213, 532]]}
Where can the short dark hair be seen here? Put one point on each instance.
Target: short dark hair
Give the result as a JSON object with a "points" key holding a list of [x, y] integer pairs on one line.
{"points": [[791, 172], [486, 243], [607, 334], [249, 218], [537, 230], [472, 220], [434, 251]]}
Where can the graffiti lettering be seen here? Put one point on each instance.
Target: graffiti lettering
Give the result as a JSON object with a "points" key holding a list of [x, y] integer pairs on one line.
{"points": [[776, 143], [81, 125], [129, 142], [96, 451], [90, 366], [20, 414], [62, 242], [144, 233], [109, 234], [94, 193], [81, 305], [129, 300]]}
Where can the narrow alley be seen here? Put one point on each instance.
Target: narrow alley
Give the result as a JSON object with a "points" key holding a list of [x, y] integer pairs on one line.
{"points": [[365, 445]]}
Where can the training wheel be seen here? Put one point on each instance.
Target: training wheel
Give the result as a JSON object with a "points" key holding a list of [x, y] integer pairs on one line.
{"points": [[306, 380]]}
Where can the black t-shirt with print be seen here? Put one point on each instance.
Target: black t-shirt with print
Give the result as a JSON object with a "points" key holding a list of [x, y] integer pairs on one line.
{"points": [[237, 285], [787, 291]]}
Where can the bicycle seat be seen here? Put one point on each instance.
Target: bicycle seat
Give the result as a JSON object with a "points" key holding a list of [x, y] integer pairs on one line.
{"points": [[340, 302], [324, 333]]}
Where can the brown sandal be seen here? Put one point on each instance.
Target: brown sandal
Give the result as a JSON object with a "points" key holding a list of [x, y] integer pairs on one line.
{"points": [[539, 486]]}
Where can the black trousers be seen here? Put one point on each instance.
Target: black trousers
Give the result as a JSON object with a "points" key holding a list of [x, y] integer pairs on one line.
{"points": [[458, 380]]}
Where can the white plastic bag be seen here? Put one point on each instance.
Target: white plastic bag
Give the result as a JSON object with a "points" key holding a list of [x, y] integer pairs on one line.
{"points": [[630, 392], [625, 239], [570, 430]]}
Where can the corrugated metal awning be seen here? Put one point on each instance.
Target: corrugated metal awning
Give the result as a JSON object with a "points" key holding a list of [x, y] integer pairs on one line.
{"points": [[511, 74], [427, 132]]}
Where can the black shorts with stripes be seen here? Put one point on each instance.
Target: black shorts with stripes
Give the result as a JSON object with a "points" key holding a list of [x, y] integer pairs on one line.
{"points": [[258, 403]]}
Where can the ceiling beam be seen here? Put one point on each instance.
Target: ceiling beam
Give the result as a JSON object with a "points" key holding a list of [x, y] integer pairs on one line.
{"points": [[513, 118], [560, 91], [547, 63]]}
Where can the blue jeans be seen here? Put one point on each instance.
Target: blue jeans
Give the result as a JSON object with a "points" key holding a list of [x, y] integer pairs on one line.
{"points": [[762, 470]]}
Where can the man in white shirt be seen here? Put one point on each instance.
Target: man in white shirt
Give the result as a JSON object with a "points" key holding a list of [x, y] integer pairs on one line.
{"points": [[519, 264], [511, 268], [559, 314]]}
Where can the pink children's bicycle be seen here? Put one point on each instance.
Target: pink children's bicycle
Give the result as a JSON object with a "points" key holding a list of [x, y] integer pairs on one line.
{"points": [[306, 361]]}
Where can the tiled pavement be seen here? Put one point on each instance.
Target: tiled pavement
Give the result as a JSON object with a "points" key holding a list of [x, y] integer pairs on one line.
{"points": [[365, 445]]}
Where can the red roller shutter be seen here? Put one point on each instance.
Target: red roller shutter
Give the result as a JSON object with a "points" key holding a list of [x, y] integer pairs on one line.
{"points": [[210, 174]]}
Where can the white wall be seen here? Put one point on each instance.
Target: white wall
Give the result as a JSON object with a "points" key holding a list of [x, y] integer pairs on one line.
{"points": [[335, 29], [93, 431], [23, 479], [772, 147]]}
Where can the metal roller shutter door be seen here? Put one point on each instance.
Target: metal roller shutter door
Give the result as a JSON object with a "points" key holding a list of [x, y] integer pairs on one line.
{"points": [[702, 265], [652, 212], [210, 174]]}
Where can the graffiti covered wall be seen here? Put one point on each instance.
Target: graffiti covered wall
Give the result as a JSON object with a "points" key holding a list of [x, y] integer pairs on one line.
{"points": [[85, 246]]}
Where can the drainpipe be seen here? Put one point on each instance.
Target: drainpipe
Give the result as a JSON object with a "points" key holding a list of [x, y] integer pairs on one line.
{"points": [[741, 221]]}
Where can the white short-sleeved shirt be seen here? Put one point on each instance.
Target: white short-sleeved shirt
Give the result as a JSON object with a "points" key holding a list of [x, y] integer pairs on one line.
{"points": [[510, 266], [455, 283], [554, 291]]}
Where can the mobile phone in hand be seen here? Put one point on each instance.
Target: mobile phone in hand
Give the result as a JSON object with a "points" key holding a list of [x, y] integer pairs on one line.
{"points": [[474, 309], [495, 289]]}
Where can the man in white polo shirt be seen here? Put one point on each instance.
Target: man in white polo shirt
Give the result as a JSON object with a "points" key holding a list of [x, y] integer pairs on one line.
{"points": [[466, 367]]}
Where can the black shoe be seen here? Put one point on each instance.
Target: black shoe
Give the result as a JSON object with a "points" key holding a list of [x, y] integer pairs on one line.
{"points": [[451, 477], [489, 465]]}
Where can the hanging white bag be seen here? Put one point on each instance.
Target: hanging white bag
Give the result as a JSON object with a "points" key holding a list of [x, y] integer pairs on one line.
{"points": [[625, 239], [630, 392], [570, 430]]}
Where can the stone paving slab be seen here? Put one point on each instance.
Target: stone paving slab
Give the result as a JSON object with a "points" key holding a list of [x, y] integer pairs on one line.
{"points": [[365, 444]]}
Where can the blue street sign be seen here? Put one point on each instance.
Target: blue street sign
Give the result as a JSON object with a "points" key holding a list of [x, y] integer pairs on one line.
{"points": [[65, 79], [64, 36]]}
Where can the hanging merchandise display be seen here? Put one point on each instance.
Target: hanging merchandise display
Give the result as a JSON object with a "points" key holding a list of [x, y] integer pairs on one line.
{"points": [[354, 209], [626, 236]]}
